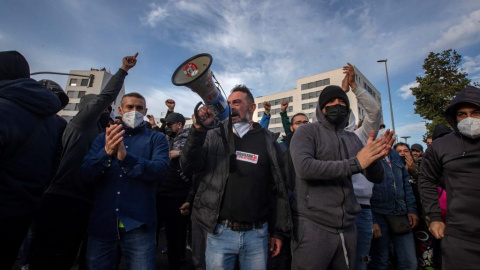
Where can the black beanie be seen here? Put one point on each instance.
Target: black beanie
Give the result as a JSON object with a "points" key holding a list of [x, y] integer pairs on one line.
{"points": [[13, 66], [57, 90], [332, 92]]}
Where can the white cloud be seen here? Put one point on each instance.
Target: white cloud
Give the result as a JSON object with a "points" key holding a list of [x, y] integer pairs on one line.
{"points": [[466, 32], [154, 16], [405, 90]]}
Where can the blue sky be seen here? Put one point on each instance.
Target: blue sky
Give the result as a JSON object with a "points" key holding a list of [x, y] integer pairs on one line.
{"points": [[265, 44]]}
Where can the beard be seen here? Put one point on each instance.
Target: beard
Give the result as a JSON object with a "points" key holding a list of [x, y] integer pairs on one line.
{"points": [[245, 119]]}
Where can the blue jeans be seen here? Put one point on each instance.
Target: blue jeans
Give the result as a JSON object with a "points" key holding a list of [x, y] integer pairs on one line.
{"points": [[364, 223], [404, 247], [136, 246], [223, 245]]}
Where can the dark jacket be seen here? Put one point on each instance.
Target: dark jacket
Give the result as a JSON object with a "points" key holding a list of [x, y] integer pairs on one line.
{"points": [[205, 153], [394, 196], [126, 189], [176, 183], [324, 156], [23, 104], [457, 158], [78, 137]]}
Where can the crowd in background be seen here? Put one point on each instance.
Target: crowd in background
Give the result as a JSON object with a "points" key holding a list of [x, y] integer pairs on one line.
{"points": [[334, 192]]}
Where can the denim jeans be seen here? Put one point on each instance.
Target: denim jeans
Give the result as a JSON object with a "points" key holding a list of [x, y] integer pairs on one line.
{"points": [[223, 245], [404, 247], [136, 246], [364, 223]]}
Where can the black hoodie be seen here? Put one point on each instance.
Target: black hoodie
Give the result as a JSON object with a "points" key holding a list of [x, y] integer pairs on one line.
{"points": [[457, 158], [23, 103]]}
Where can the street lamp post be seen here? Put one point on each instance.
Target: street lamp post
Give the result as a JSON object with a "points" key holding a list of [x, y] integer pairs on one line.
{"points": [[389, 96], [405, 138]]}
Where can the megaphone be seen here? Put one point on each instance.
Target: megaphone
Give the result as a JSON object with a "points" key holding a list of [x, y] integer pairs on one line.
{"points": [[195, 74]]}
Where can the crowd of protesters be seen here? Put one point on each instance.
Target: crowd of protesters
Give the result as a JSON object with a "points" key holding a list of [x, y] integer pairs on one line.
{"points": [[332, 193]]}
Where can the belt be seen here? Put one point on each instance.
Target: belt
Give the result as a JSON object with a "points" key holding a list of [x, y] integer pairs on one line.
{"points": [[365, 206], [241, 226]]}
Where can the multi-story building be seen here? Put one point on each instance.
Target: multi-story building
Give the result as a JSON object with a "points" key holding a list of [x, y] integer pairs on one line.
{"points": [[78, 86], [304, 97]]}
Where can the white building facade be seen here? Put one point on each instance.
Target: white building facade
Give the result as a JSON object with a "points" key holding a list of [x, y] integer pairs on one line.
{"points": [[79, 86]]}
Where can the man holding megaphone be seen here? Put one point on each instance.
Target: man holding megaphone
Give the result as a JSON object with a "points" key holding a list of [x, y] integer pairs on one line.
{"points": [[241, 200]]}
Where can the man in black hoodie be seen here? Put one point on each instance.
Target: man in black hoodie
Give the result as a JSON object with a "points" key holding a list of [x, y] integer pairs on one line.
{"points": [[65, 208], [456, 156], [28, 138]]}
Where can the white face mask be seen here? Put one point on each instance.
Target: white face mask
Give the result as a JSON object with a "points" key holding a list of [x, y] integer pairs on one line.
{"points": [[469, 127], [132, 119], [241, 128]]}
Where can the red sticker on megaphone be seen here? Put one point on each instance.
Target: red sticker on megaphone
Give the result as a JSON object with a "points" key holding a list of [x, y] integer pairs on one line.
{"points": [[190, 69]]}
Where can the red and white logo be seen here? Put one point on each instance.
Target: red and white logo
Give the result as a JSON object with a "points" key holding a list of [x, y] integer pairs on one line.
{"points": [[247, 157], [190, 70]]}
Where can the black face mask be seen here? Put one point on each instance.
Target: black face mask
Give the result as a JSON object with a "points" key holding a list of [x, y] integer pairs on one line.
{"points": [[336, 114], [170, 133]]}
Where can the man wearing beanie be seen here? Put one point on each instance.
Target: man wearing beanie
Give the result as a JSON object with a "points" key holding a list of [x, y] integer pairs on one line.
{"points": [[325, 157], [29, 133]]}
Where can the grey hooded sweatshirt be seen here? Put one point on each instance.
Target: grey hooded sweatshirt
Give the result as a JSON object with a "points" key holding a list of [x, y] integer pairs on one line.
{"points": [[324, 157]]}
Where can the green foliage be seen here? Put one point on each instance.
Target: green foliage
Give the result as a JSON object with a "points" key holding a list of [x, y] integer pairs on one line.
{"points": [[435, 90]]}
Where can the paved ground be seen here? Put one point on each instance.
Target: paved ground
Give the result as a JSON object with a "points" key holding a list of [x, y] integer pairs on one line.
{"points": [[162, 260]]}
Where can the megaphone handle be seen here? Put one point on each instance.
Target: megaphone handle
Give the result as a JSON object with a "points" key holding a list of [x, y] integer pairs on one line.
{"points": [[197, 118]]}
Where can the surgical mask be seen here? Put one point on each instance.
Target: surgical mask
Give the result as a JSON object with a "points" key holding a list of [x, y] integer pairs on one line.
{"points": [[336, 114], [469, 127], [132, 119], [241, 128]]}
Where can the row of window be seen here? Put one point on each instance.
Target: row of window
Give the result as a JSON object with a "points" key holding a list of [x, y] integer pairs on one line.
{"points": [[319, 83], [76, 94], [310, 105], [276, 101], [78, 82], [71, 107], [276, 111], [315, 94]]}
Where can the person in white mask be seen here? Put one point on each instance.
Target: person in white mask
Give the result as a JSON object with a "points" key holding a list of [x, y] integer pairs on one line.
{"points": [[233, 203], [124, 165], [456, 156]]}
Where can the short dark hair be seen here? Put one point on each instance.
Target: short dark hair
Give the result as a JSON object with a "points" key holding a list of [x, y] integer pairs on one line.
{"points": [[401, 144], [295, 115], [244, 89], [135, 95], [382, 126]]}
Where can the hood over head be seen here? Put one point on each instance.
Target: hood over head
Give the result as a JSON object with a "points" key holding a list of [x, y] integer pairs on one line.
{"points": [[469, 94], [13, 66], [57, 90], [31, 95], [440, 130]]}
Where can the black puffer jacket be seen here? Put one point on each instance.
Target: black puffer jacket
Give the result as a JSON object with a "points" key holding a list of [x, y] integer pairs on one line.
{"points": [[205, 153], [457, 158]]}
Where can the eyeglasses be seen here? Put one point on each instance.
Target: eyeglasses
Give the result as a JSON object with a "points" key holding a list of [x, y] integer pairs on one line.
{"points": [[300, 122]]}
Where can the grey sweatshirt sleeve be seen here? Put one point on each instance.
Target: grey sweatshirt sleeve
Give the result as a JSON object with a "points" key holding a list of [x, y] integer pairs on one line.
{"points": [[91, 112], [310, 167], [372, 118]]}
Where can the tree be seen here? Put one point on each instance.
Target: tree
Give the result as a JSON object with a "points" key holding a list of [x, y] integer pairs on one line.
{"points": [[442, 82]]}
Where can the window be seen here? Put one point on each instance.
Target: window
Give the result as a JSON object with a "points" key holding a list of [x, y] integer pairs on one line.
{"points": [[84, 82], [71, 94], [310, 105], [81, 94], [326, 81], [70, 107], [316, 84], [312, 85], [73, 82], [260, 105], [304, 86]]}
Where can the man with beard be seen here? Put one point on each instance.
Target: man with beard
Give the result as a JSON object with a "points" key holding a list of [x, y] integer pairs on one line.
{"points": [[65, 208], [242, 196]]}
